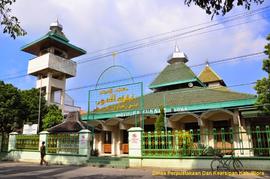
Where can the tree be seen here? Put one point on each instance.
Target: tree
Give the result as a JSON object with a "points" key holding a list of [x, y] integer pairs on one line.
{"points": [[263, 86], [9, 108], [10, 23], [216, 7], [159, 124], [53, 117], [30, 105]]}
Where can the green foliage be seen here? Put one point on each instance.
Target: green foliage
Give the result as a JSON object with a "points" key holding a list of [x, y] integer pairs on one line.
{"points": [[185, 142], [207, 150], [159, 124], [94, 152], [10, 23], [30, 105], [10, 108], [217, 7], [53, 117], [263, 86], [18, 107]]}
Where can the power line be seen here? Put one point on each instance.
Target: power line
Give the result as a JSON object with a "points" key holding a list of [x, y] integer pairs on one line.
{"points": [[166, 39], [160, 41], [146, 44], [155, 73], [233, 17], [15, 77]]}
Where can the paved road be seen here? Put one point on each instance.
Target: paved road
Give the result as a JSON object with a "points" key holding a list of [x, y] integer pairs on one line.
{"points": [[27, 170]]}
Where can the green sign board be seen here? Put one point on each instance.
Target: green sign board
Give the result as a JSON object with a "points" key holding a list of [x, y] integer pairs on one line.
{"points": [[120, 98]]}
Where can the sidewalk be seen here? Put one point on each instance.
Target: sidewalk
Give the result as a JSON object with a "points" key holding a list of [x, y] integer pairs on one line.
{"points": [[28, 170]]}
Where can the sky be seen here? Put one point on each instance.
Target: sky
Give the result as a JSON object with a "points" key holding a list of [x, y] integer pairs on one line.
{"points": [[98, 24]]}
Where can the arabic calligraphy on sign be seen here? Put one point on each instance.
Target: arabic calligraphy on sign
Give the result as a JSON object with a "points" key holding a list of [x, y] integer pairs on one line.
{"points": [[121, 90], [112, 99], [110, 91], [116, 107]]}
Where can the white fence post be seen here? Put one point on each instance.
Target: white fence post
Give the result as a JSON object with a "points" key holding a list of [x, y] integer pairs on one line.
{"points": [[12, 141], [135, 146], [84, 142], [43, 138]]}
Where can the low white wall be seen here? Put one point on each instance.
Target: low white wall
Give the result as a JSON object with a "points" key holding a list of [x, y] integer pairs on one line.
{"points": [[177, 163], [32, 156], [194, 163]]}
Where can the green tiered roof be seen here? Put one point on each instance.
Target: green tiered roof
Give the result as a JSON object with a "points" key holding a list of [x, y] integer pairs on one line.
{"points": [[54, 38], [208, 75], [176, 73], [193, 96], [182, 97], [189, 99]]}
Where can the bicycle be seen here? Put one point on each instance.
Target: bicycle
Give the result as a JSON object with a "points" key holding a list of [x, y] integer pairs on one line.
{"points": [[219, 163]]}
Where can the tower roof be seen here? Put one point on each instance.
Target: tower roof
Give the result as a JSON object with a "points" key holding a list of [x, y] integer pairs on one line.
{"points": [[54, 38], [173, 74], [177, 72], [56, 25], [177, 56], [208, 75]]}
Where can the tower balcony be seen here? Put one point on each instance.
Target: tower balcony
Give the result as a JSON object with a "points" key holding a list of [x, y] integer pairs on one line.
{"points": [[55, 83], [51, 63]]}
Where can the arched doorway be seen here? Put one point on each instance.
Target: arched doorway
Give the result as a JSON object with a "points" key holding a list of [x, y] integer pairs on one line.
{"points": [[219, 124]]}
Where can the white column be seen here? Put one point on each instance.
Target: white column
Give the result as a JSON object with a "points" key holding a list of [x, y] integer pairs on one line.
{"points": [[241, 139], [248, 141], [94, 142], [62, 102], [210, 137], [118, 142], [114, 141], [134, 145], [12, 141], [48, 88], [43, 138], [99, 144], [204, 135], [52, 96], [84, 142]]}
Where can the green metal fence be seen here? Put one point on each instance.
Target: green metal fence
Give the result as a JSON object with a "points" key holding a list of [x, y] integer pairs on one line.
{"points": [[27, 142], [194, 142], [63, 144]]}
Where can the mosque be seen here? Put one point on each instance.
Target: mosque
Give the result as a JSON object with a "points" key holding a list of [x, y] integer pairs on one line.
{"points": [[198, 103]]}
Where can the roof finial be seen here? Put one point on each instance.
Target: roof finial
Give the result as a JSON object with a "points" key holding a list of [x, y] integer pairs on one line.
{"points": [[176, 48], [177, 56], [56, 25], [207, 62]]}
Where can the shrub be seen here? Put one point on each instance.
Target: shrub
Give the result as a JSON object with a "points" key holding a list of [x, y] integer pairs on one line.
{"points": [[94, 152]]}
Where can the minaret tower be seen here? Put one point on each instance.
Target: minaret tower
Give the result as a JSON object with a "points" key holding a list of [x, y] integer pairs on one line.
{"points": [[53, 64]]}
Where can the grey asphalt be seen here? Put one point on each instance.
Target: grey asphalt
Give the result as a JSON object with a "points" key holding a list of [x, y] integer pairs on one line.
{"points": [[34, 171]]}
